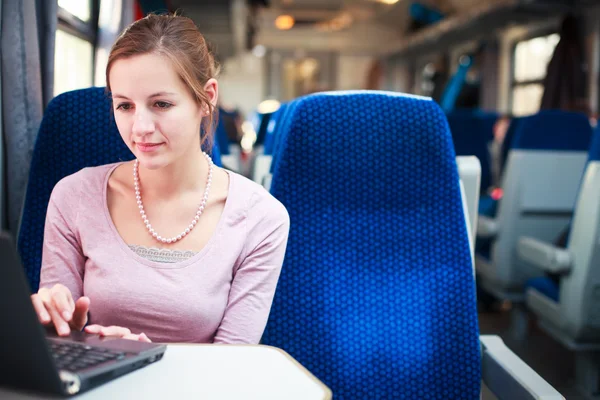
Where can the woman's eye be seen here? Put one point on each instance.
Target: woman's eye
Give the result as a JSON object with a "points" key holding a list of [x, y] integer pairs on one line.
{"points": [[162, 104], [124, 106]]}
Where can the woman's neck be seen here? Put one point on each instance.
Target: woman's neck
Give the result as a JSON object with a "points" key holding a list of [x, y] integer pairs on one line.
{"points": [[188, 174]]}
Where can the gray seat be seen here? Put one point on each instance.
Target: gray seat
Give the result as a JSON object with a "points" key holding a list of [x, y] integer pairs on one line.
{"points": [[572, 316], [542, 177]]}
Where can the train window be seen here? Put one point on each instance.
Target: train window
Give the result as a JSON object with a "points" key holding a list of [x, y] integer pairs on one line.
{"points": [[78, 8], [74, 47], [531, 58]]}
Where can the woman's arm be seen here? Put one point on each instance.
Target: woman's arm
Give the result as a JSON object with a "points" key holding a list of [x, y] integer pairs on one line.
{"points": [[254, 283], [62, 257]]}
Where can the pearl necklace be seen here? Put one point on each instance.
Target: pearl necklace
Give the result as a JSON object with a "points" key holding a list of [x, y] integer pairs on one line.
{"points": [[138, 197]]}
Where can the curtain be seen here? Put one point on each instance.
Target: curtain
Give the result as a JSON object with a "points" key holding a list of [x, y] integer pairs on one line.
{"points": [[565, 82], [27, 68]]}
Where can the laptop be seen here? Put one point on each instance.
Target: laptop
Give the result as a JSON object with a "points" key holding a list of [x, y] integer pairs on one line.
{"points": [[33, 359]]}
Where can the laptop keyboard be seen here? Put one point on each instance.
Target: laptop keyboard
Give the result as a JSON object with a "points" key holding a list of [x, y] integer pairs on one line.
{"points": [[77, 356]]}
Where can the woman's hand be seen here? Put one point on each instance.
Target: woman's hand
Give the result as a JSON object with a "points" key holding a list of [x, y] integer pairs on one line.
{"points": [[116, 331], [56, 307]]}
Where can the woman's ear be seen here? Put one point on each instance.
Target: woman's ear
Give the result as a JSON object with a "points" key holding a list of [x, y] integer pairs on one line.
{"points": [[211, 88]]}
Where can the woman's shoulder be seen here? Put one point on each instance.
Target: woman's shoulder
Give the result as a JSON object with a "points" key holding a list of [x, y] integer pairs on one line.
{"points": [[260, 205], [87, 180]]}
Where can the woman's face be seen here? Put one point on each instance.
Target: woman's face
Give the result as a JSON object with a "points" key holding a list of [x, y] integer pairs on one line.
{"points": [[156, 114]]}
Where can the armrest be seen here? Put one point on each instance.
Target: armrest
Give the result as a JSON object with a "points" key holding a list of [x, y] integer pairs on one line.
{"points": [[544, 255], [508, 377], [486, 227]]}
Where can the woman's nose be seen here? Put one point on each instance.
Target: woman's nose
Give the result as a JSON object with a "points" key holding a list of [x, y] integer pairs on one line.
{"points": [[143, 123]]}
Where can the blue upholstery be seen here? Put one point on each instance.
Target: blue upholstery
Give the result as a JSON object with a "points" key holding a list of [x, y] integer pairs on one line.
{"points": [[470, 138], [376, 295], [77, 131], [221, 138], [594, 150], [553, 130], [273, 128], [280, 137], [487, 206], [545, 286]]}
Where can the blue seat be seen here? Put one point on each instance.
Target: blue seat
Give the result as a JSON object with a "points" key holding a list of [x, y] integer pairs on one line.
{"points": [[221, 138], [78, 130], [282, 131], [544, 285], [376, 295], [553, 130], [549, 285], [470, 138]]}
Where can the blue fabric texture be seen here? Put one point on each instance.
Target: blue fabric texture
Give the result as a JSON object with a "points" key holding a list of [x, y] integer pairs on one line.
{"points": [[471, 139], [78, 130], [280, 137], [487, 206], [221, 139], [553, 130], [376, 295], [594, 151], [545, 286]]}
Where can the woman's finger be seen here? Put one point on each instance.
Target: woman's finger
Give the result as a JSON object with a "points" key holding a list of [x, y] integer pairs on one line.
{"points": [[80, 314], [40, 309], [140, 338], [93, 328], [114, 331], [60, 301], [144, 338], [62, 327]]}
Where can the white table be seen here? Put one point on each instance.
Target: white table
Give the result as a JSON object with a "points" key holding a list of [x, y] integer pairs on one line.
{"points": [[210, 372]]}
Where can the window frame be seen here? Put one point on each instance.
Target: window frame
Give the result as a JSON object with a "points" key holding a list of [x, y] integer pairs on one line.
{"points": [[88, 31], [514, 83]]}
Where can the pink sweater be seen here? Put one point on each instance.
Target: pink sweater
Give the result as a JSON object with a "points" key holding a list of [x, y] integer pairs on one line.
{"points": [[222, 294]]}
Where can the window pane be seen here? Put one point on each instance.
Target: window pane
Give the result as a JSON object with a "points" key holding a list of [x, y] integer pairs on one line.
{"points": [[72, 63], [532, 57], [79, 8], [527, 99]]}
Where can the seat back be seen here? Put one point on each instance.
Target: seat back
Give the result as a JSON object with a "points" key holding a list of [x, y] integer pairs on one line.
{"points": [[508, 142], [282, 132], [77, 131], [376, 296], [541, 181], [221, 137], [471, 139], [580, 288]]}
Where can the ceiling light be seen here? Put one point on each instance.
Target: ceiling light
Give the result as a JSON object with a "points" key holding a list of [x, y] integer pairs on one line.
{"points": [[388, 1], [284, 22]]}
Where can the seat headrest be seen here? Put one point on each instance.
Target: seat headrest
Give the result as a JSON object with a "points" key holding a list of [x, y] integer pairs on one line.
{"points": [[553, 130]]}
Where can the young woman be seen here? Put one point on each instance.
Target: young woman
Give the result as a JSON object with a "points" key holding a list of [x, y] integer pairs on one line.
{"points": [[168, 247]]}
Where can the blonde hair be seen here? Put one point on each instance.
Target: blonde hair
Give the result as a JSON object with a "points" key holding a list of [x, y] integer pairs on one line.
{"points": [[177, 38]]}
